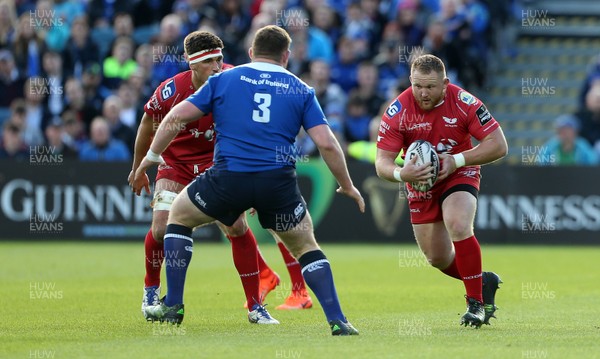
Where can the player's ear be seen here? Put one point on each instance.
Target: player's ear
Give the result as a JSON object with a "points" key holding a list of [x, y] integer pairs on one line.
{"points": [[250, 53], [286, 57]]}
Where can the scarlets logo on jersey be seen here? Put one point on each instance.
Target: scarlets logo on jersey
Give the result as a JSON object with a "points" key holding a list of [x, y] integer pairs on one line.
{"points": [[168, 90], [450, 121], [394, 108], [445, 145], [466, 97]]}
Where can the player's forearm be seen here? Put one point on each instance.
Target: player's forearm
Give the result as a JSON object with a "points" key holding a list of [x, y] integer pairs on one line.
{"points": [[142, 141], [174, 121], [334, 158], [166, 132], [385, 169], [487, 151]]}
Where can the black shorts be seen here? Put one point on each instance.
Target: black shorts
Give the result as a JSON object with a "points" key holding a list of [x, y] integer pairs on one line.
{"points": [[275, 195]]}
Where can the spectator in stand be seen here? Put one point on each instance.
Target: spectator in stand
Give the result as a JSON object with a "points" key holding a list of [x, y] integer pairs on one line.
{"points": [[123, 25], [94, 92], [318, 44], [75, 102], [8, 22], [272, 7], [53, 29], [181, 8], [592, 76], [356, 122], [73, 134], [471, 61], [102, 12], [28, 47], [68, 10], [18, 113], [453, 16], [478, 18], [104, 36], [377, 23], [590, 117], [12, 146], [101, 147], [54, 139], [367, 89], [357, 24], [567, 147], [390, 69], [111, 112], [435, 43], [131, 110], [52, 67], [120, 65], [167, 50], [80, 50], [37, 114], [145, 60], [358, 28], [328, 94], [11, 84], [140, 83], [327, 20], [151, 12], [263, 19], [344, 70], [234, 21], [412, 22]]}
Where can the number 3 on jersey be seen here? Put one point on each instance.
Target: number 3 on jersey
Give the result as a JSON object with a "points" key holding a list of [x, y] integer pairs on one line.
{"points": [[263, 114]]}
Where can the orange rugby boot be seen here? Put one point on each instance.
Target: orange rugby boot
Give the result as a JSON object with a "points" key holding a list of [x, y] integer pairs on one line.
{"points": [[296, 300]]}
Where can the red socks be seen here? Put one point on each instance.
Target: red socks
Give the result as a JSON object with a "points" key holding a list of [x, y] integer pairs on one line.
{"points": [[468, 262], [293, 268], [245, 259], [452, 270], [154, 258]]}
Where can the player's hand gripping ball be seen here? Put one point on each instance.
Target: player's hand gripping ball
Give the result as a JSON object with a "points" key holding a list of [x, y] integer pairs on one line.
{"points": [[424, 152]]}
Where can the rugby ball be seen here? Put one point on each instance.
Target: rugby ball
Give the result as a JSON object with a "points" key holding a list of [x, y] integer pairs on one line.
{"points": [[424, 152]]}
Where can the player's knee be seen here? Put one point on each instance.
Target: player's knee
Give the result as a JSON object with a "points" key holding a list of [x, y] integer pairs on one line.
{"points": [[459, 229], [239, 228], [158, 232]]}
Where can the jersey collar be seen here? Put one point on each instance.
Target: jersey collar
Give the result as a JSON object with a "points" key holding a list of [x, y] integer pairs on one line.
{"points": [[266, 67]]}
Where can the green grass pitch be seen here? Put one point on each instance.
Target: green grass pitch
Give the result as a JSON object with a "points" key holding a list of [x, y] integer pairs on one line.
{"points": [[70, 300]]}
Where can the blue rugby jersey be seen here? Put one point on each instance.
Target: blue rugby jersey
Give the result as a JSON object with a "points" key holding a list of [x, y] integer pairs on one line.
{"points": [[258, 109]]}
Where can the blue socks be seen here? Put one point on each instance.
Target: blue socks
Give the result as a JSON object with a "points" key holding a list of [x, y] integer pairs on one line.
{"points": [[318, 276], [178, 254]]}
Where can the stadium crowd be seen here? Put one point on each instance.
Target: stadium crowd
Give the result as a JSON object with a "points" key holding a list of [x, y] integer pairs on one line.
{"points": [[75, 75]]}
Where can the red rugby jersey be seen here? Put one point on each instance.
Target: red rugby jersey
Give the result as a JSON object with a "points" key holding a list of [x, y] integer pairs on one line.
{"points": [[449, 126], [195, 142]]}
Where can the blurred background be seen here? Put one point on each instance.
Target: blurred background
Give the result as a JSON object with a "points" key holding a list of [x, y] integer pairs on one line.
{"points": [[535, 64]]}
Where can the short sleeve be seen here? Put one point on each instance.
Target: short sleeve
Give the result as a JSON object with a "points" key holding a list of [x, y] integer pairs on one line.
{"points": [[389, 137], [313, 113], [161, 101], [480, 120]]}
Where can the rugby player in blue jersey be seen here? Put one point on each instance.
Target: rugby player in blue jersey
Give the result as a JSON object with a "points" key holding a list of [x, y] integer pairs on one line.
{"points": [[258, 110]]}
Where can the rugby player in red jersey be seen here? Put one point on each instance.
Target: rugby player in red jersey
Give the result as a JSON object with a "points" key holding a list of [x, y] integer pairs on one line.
{"points": [[188, 155], [442, 218]]}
